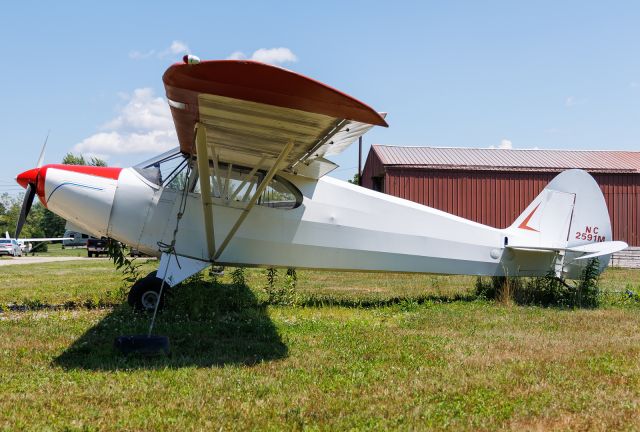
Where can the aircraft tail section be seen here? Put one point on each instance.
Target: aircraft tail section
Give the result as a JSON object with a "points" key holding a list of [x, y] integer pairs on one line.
{"points": [[569, 217]]}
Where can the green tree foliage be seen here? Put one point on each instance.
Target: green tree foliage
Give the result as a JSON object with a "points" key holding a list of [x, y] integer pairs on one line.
{"points": [[355, 180], [10, 211], [71, 159]]}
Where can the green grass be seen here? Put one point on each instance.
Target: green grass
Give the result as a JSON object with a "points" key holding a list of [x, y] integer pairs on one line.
{"points": [[403, 355], [61, 282], [56, 249]]}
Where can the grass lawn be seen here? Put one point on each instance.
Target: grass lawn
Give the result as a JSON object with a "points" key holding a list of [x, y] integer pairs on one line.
{"points": [[361, 351], [56, 249]]}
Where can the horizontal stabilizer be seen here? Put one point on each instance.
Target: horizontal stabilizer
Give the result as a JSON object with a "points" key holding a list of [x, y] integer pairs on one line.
{"points": [[592, 250]]}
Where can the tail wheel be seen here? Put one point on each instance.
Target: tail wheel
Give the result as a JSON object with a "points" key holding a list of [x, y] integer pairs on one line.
{"points": [[145, 293]]}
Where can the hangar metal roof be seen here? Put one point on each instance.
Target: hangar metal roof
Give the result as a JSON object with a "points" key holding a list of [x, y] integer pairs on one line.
{"points": [[490, 159]]}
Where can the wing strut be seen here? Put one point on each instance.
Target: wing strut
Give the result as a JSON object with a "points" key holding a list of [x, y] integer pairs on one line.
{"points": [[204, 175], [245, 212]]}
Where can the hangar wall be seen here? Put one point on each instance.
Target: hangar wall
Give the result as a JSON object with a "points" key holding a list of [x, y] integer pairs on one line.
{"points": [[497, 197]]}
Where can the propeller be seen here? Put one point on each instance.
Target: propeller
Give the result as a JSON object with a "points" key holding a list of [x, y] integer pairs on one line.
{"points": [[30, 193]]}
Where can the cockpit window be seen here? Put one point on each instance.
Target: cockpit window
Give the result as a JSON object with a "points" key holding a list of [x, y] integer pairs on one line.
{"points": [[166, 170], [229, 182], [234, 184]]}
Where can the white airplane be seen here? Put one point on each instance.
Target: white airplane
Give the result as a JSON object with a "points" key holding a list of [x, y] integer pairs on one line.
{"points": [[248, 187], [23, 242]]}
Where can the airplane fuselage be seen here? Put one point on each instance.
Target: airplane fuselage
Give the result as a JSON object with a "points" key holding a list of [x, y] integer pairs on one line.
{"points": [[337, 225]]}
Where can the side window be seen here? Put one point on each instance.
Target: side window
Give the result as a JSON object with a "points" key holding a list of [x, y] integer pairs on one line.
{"points": [[278, 195], [235, 185]]}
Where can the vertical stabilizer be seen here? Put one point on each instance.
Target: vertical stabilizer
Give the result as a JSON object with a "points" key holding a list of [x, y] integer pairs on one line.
{"points": [[568, 214]]}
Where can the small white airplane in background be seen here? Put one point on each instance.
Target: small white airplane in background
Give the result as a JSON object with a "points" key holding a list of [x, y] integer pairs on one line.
{"points": [[24, 242], [248, 187]]}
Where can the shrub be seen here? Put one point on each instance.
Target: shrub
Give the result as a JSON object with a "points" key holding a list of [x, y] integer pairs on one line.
{"points": [[543, 291], [283, 293]]}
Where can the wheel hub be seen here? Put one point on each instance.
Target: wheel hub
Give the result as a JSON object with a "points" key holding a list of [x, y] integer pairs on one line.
{"points": [[149, 300]]}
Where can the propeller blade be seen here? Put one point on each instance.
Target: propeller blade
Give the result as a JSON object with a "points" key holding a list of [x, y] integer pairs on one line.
{"points": [[26, 206], [44, 146]]}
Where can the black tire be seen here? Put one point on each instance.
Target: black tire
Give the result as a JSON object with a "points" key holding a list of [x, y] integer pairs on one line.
{"points": [[144, 293], [90, 254], [143, 344]]}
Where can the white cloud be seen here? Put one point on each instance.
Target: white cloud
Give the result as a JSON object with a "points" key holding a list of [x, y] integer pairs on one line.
{"points": [[572, 101], [143, 125], [267, 55], [137, 55], [274, 55], [505, 144], [143, 111], [175, 49], [237, 55], [178, 47]]}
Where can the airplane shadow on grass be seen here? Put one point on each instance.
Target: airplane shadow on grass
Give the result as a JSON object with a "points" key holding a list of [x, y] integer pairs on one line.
{"points": [[207, 325]]}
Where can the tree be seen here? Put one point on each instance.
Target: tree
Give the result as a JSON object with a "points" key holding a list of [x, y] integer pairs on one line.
{"points": [[71, 159], [356, 179], [52, 225], [97, 162]]}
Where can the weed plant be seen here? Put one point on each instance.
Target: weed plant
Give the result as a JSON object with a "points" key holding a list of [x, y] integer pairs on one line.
{"points": [[281, 290], [547, 291]]}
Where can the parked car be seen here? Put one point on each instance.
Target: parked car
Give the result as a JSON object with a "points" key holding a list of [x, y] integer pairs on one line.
{"points": [[96, 247], [77, 239], [10, 247]]}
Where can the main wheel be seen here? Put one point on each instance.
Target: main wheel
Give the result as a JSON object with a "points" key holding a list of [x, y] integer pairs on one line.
{"points": [[145, 293]]}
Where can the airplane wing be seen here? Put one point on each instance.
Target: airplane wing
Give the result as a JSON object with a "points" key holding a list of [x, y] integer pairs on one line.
{"points": [[43, 239], [250, 111]]}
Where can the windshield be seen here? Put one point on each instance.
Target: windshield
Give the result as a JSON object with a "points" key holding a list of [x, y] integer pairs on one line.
{"points": [[165, 169]]}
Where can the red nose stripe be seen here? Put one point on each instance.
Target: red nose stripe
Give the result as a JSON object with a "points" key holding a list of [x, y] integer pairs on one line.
{"points": [[106, 172]]}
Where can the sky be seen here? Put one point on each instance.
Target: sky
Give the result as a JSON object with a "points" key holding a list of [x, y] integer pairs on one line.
{"points": [[547, 74]]}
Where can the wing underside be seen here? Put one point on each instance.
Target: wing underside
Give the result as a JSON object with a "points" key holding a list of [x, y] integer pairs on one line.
{"points": [[250, 112]]}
